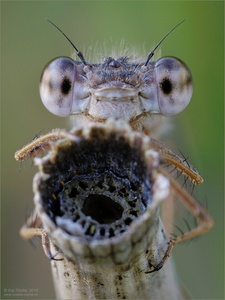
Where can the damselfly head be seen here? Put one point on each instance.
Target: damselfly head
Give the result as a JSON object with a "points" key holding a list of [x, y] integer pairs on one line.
{"points": [[116, 88]]}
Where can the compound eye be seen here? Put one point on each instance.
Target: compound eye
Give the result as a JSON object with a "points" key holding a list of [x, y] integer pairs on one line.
{"points": [[56, 86], [175, 87]]}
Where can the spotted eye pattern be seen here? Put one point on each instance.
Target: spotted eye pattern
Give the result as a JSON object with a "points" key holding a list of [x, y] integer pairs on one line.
{"points": [[174, 85], [66, 88], [56, 86]]}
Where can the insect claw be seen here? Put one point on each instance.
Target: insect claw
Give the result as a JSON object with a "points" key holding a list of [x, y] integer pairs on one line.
{"points": [[156, 268], [171, 243], [52, 257]]}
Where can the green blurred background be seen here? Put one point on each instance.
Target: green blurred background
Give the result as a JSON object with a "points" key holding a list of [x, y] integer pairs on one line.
{"points": [[28, 42]]}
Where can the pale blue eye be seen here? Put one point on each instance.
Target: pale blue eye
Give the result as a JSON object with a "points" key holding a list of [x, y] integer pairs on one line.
{"points": [[56, 86]]}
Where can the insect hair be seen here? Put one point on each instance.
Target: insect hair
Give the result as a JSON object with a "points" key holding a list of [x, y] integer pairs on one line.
{"points": [[96, 53]]}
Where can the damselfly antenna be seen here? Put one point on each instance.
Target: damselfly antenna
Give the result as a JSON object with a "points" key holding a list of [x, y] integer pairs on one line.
{"points": [[79, 54], [153, 51]]}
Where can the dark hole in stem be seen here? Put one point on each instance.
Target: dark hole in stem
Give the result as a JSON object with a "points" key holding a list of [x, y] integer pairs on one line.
{"points": [[74, 192], [102, 209]]}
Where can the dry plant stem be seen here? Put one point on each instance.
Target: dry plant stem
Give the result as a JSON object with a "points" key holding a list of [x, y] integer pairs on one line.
{"points": [[111, 251], [96, 280], [98, 195], [114, 270]]}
